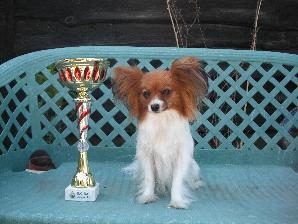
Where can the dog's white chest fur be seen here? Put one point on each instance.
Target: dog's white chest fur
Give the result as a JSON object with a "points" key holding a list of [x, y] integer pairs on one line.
{"points": [[164, 159], [164, 134]]}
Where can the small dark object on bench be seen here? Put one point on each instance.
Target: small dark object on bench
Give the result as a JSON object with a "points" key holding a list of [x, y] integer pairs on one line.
{"points": [[40, 161]]}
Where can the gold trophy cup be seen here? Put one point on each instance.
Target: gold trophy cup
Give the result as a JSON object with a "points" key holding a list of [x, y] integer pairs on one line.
{"points": [[82, 75]]}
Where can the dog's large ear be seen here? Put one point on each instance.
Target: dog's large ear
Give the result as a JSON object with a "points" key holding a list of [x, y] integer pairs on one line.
{"points": [[192, 80], [126, 82]]}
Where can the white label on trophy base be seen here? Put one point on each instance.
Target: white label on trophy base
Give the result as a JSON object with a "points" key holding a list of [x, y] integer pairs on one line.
{"points": [[81, 194]]}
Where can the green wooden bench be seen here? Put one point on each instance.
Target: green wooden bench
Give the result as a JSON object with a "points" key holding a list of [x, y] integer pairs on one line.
{"points": [[246, 140]]}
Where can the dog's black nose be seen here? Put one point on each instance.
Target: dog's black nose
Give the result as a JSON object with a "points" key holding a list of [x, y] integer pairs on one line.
{"points": [[155, 107]]}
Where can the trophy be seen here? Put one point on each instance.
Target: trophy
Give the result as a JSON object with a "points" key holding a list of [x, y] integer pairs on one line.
{"points": [[82, 75]]}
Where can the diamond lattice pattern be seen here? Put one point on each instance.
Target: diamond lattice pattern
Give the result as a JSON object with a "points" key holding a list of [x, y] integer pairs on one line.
{"points": [[250, 105]]}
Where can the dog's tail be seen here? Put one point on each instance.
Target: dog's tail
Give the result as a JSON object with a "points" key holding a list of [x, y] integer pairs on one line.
{"points": [[130, 168], [194, 180]]}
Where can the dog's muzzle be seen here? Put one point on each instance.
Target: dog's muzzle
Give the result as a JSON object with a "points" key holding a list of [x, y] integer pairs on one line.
{"points": [[156, 106]]}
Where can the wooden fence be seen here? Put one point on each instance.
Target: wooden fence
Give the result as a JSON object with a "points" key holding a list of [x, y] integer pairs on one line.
{"points": [[31, 25]]}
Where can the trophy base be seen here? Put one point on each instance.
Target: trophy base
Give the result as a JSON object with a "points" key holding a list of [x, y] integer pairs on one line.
{"points": [[81, 194]]}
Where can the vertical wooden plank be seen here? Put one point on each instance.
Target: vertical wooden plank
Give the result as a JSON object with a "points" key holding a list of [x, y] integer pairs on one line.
{"points": [[31, 25], [6, 30]]}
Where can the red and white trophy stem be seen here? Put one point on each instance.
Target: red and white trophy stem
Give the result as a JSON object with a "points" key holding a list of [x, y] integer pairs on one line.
{"points": [[83, 186], [83, 178], [83, 111]]}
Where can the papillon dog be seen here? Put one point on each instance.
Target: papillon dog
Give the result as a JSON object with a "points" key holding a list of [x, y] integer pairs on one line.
{"points": [[164, 102]]}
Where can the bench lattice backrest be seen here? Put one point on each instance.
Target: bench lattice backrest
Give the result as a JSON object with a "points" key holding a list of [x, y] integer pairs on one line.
{"points": [[252, 100]]}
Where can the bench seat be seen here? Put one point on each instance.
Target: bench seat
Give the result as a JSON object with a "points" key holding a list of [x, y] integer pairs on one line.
{"points": [[245, 140]]}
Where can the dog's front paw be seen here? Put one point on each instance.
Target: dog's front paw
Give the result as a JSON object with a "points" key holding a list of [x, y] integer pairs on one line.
{"points": [[146, 198], [179, 204]]}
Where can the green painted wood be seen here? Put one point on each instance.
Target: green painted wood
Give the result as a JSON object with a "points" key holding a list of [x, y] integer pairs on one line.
{"points": [[248, 156], [36, 109], [232, 194]]}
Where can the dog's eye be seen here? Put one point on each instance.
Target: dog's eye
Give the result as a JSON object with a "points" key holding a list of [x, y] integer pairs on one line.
{"points": [[146, 94], [166, 92]]}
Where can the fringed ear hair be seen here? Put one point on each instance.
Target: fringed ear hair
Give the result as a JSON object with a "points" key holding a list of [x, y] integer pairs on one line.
{"points": [[125, 84], [190, 69], [192, 80]]}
